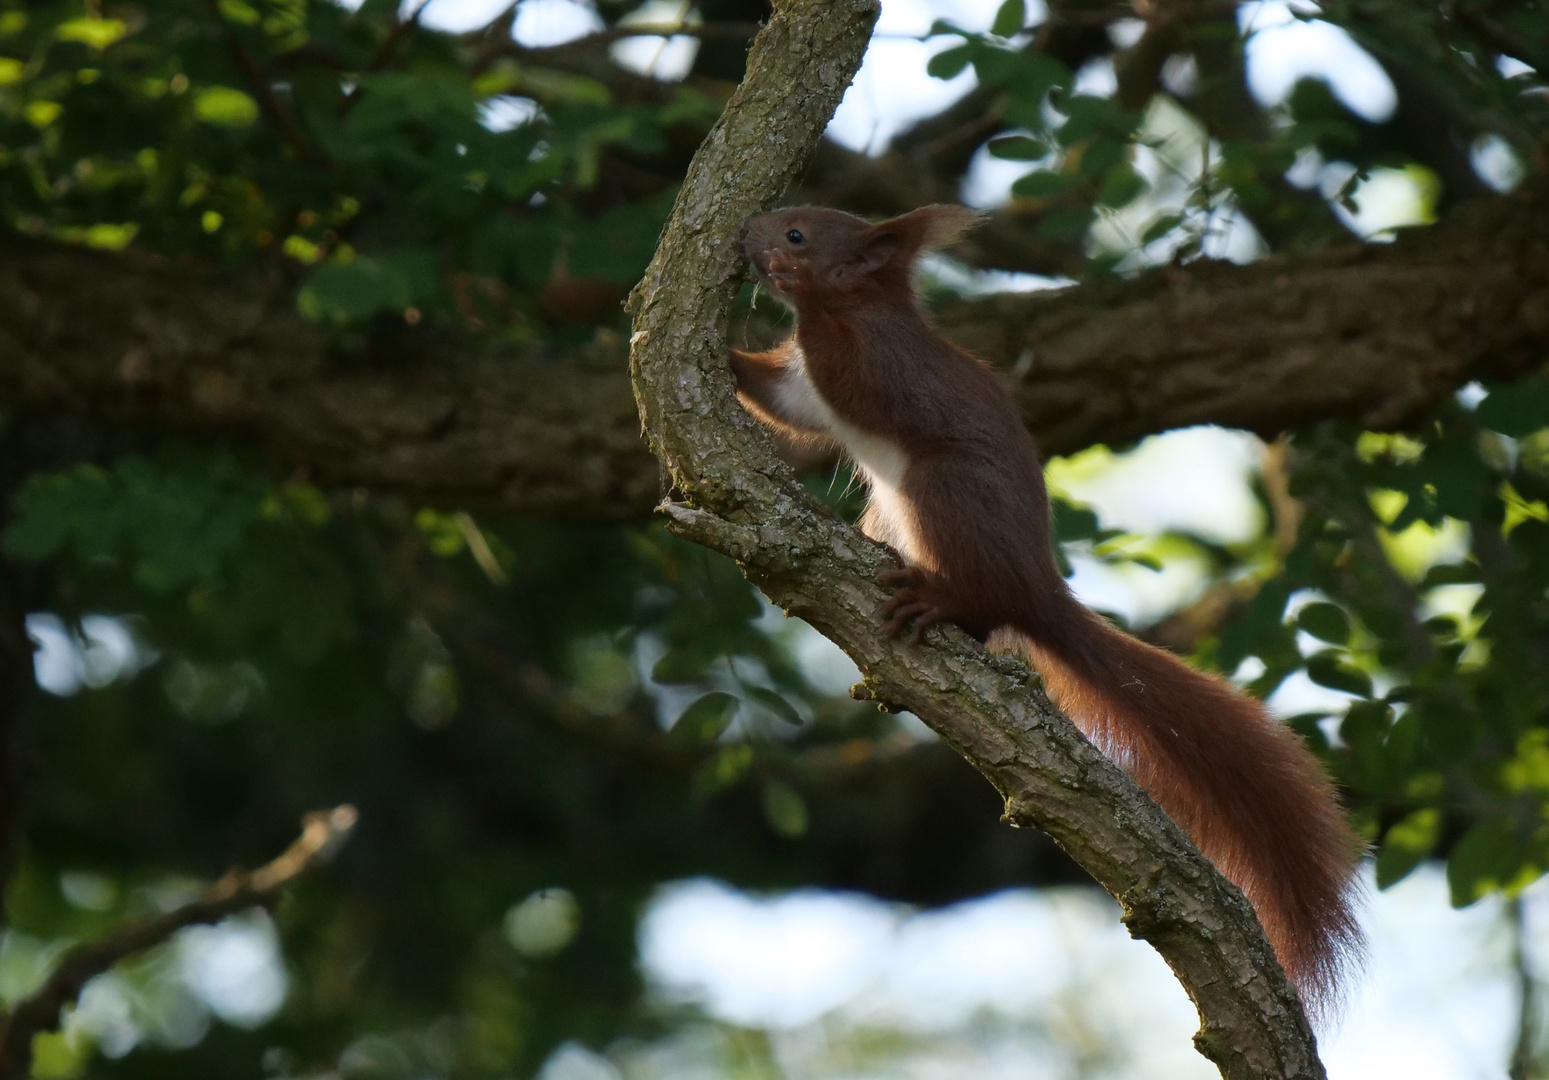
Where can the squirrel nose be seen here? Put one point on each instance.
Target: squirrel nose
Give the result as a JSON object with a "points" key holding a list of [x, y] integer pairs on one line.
{"points": [[742, 235]]}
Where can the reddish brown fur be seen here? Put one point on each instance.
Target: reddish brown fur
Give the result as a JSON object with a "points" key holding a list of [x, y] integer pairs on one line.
{"points": [[958, 488]]}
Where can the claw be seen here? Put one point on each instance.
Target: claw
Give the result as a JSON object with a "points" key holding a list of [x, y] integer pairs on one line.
{"points": [[911, 599], [923, 608], [926, 620]]}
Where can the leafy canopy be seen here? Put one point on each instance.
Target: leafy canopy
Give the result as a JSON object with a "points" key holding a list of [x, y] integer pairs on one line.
{"points": [[540, 723]]}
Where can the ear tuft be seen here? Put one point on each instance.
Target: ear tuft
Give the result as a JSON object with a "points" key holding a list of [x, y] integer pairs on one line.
{"points": [[946, 224], [904, 238]]}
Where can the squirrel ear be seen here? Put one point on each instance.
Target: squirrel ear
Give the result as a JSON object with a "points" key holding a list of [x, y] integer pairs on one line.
{"points": [[927, 229], [946, 224], [936, 226], [877, 248]]}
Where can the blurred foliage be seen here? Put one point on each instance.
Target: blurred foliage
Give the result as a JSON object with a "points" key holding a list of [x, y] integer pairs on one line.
{"points": [[541, 724]]}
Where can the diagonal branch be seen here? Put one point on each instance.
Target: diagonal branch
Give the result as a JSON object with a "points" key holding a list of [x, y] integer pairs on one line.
{"points": [[738, 498], [322, 834], [263, 90]]}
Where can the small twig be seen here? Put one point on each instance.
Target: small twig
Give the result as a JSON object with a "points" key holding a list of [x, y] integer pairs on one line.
{"points": [[384, 51], [504, 46], [703, 31], [322, 833], [478, 547], [273, 108], [1524, 1055]]}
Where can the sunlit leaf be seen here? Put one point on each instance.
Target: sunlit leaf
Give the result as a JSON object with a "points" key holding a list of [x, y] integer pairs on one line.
{"points": [[1009, 18], [225, 107]]}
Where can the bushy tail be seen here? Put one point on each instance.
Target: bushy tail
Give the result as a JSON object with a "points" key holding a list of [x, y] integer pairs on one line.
{"points": [[1242, 785]]}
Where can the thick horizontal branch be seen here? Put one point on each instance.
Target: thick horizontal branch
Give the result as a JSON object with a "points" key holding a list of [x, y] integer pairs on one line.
{"points": [[137, 342], [1376, 334], [321, 835]]}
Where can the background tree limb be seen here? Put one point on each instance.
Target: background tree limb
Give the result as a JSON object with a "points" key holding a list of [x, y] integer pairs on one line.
{"points": [[741, 500], [1375, 334], [16, 747], [322, 833]]}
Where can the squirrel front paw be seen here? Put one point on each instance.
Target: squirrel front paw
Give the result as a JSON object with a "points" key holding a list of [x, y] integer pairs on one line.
{"points": [[911, 599], [788, 275]]}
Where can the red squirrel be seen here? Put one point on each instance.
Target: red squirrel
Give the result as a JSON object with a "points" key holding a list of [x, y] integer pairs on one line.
{"points": [[956, 488]]}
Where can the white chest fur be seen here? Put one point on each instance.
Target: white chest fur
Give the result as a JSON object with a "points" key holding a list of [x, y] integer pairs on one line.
{"points": [[882, 462]]}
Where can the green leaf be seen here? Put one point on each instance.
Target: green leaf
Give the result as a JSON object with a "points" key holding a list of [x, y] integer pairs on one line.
{"points": [[1028, 76], [706, 719], [564, 87], [1010, 19], [1101, 155], [1448, 574], [96, 34], [225, 107], [618, 245], [1018, 148], [723, 770], [1066, 223], [239, 12], [1485, 860], [1328, 668], [775, 703], [169, 525], [1461, 481], [1516, 409], [1121, 186], [1366, 724], [1073, 522], [40, 114], [1042, 185], [687, 662], [1325, 621], [949, 63], [354, 291], [785, 810], [1087, 116], [1408, 842], [1160, 228]]}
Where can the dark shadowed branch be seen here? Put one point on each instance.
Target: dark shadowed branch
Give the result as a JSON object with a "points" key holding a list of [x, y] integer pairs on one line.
{"points": [[1374, 334], [16, 749], [321, 836]]}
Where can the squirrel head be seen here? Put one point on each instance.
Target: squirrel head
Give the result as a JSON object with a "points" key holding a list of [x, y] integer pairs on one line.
{"points": [[842, 254]]}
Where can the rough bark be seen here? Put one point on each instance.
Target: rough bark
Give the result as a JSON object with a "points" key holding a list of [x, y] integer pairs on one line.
{"points": [[1376, 334], [735, 495], [136, 342]]}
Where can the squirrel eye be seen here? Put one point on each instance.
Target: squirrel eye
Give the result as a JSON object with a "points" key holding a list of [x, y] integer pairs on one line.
{"points": [[795, 237]]}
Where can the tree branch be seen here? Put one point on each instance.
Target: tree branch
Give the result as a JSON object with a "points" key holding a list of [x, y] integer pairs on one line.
{"points": [[321, 836], [1375, 334], [741, 500], [17, 763]]}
